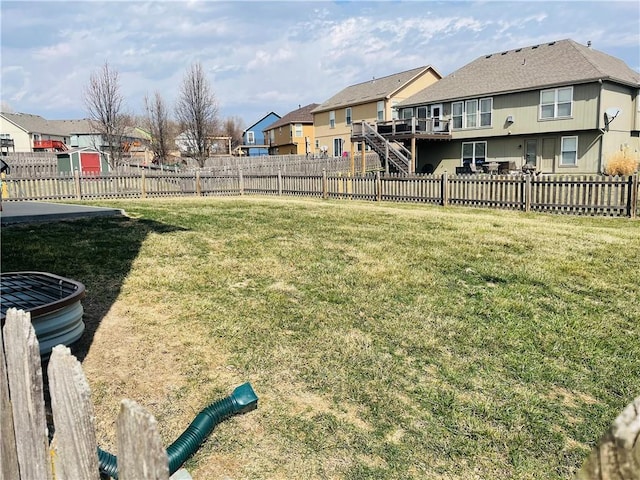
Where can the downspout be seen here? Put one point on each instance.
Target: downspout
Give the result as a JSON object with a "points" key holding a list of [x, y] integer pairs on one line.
{"points": [[242, 400]]}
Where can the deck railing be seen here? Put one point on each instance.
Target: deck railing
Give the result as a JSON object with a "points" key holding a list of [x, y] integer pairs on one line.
{"points": [[580, 195]]}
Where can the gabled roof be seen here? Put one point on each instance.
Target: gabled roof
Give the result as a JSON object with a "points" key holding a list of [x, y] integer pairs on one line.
{"points": [[301, 115], [256, 123], [550, 64], [79, 149], [372, 90], [33, 123]]}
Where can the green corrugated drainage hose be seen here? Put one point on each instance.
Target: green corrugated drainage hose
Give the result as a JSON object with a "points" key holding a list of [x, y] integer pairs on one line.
{"points": [[242, 400]]}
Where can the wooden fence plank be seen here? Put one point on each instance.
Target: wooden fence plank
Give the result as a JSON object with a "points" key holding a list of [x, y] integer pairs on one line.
{"points": [[617, 455], [75, 443], [140, 450], [8, 454], [24, 371]]}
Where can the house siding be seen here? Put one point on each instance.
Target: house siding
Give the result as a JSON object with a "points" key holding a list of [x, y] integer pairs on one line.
{"points": [[447, 156], [21, 139], [286, 143], [366, 111]]}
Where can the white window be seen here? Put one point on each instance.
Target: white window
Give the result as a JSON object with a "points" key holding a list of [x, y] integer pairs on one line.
{"points": [[472, 113], [486, 105], [474, 153], [407, 113], [394, 110], [347, 115], [471, 110], [272, 135], [456, 114], [251, 137], [332, 119], [337, 147], [380, 110], [556, 103], [298, 130], [569, 153]]}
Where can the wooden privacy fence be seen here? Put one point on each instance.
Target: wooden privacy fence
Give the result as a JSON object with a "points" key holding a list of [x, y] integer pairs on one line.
{"points": [[26, 452], [581, 195]]}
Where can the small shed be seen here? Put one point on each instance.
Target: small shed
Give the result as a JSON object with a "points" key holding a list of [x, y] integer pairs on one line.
{"points": [[86, 160]]}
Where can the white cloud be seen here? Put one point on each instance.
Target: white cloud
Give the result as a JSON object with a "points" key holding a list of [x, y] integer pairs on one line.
{"points": [[264, 56]]}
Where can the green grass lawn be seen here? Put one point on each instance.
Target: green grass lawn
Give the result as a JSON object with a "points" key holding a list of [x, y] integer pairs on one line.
{"points": [[385, 341]]}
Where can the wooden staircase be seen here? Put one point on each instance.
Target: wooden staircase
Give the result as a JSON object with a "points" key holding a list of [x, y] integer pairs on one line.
{"points": [[397, 159]]}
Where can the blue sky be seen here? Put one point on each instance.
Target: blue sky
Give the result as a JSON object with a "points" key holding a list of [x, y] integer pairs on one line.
{"points": [[273, 56]]}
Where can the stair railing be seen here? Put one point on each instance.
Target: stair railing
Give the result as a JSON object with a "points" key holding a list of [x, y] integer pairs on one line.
{"points": [[402, 156]]}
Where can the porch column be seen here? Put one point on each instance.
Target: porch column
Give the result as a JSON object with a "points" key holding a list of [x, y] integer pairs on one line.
{"points": [[412, 165]]}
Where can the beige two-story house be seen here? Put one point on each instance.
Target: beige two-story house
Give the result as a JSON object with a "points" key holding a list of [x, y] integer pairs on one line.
{"points": [[558, 107], [292, 134], [372, 101], [24, 132]]}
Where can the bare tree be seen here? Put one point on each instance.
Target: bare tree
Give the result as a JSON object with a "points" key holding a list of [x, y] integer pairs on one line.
{"points": [[104, 103], [197, 113], [158, 123], [233, 127]]}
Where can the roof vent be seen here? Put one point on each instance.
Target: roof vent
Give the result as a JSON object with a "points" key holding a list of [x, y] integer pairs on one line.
{"points": [[488, 56], [534, 47], [504, 53], [589, 44], [518, 50], [552, 43]]}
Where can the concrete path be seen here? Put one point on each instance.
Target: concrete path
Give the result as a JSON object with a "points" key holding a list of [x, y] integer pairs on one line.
{"points": [[32, 212]]}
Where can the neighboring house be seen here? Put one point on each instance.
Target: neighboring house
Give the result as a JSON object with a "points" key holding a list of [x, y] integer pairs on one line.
{"points": [[24, 132], [293, 133], [372, 101], [32, 133], [557, 107], [253, 141]]}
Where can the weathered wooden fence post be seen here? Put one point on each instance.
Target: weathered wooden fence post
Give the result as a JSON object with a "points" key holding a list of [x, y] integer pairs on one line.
{"points": [[75, 442], [8, 454], [617, 455], [198, 184], [527, 193], [24, 372], [633, 196], [140, 450], [444, 189], [143, 185], [279, 183], [325, 185], [241, 182], [378, 186], [76, 181]]}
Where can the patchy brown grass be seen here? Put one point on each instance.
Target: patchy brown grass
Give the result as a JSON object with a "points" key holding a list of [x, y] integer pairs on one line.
{"points": [[383, 340]]}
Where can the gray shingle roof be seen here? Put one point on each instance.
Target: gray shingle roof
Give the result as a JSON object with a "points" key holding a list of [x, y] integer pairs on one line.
{"points": [[371, 90], [301, 115], [74, 126], [545, 65], [33, 123]]}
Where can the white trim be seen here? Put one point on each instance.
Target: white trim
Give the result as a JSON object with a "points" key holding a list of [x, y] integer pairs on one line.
{"points": [[474, 157], [555, 104], [563, 151]]}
